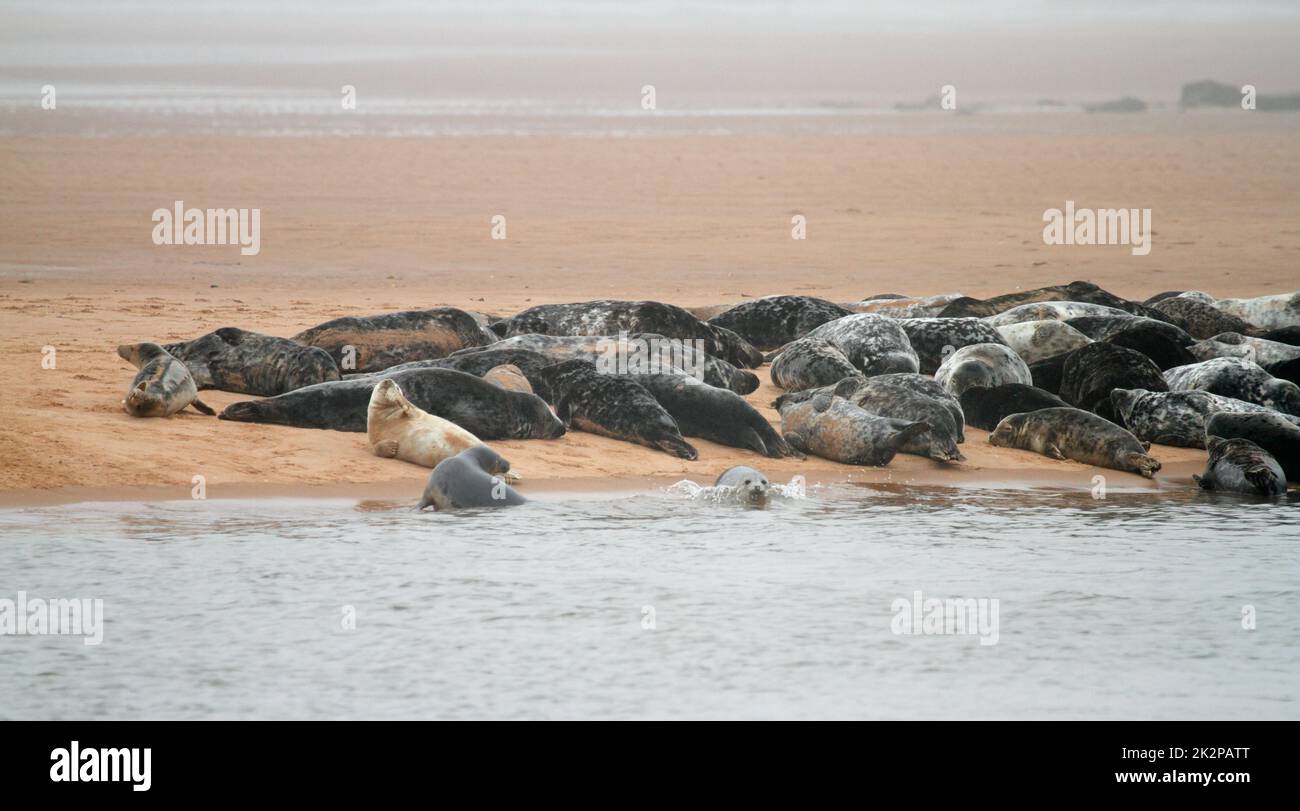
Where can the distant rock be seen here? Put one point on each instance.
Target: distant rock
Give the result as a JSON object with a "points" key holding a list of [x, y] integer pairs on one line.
{"points": [[1128, 104], [1209, 93]]}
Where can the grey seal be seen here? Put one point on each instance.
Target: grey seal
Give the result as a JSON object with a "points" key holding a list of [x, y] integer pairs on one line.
{"points": [[934, 339], [833, 428], [981, 365], [162, 386], [1072, 433], [874, 344], [920, 384], [1233, 377], [1175, 418], [809, 363], [1038, 340], [747, 482], [985, 407], [1199, 319], [232, 359], [1092, 372], [1241, 466], [1235, 345], [475, 477], [375, 342], [714, 414], [1269, 430], [774, 321]]}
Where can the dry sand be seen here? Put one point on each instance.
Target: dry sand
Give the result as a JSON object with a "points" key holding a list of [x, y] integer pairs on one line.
{"points": [[360, 226]]}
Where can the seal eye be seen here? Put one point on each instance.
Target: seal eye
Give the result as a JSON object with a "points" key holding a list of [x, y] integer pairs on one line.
{"points": [[748, 481]]}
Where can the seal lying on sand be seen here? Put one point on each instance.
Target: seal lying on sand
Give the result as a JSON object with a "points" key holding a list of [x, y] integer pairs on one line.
{"points": [[986, 407], [1052, 311], [609, 317], [1175, 418], [1270, 431], [774, 321], [833, 428], [478, 362], [934, 338], [1072, 433], [1199, 319], [475, 477], [875, 344], [509, 377], [1241, 466], [896, 306], [1164, 343], [615, 407], [1078, 291], [1093, 371], [485, 410], [1233, 377], [1038, 340], [1286, 370], [920, 384], [232, 359], [380, 341], [714, 414], [1266, 312], [1284, 335], [163, 385], [1236, 345], [809, 363], [747, 482], [397, 429], [981, 365]]}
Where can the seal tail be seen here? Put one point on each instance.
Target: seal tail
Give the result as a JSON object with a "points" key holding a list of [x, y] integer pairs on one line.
{"points": [[202, 407]]}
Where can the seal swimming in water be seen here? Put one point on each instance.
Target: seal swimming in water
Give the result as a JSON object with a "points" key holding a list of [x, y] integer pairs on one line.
{"points": [[1236, 345], [981, 365], [381, 341], [397, 429], [986, 407], [1199, 319], [934, 338], [1072, 433], [232, 359], [1241, 466], [1092, 372], [1233, 377], [808, 363], [1039, 340], [610, 317], [714, 414], [1269, 430], [472, 478], [1175, 418], [485, 410], [774, 321], [875, 344], [614, 406], [833, 428], [163, 385], [747, 482], [882, 398]]}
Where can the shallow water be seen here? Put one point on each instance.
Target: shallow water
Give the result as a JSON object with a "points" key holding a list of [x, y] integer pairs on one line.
{"points": [[1129, 606]]}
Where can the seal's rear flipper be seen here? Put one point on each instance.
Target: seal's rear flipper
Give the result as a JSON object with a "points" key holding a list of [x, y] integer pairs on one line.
{"points": [[1203, 483], [386, 448], [202, 407], [1144, 465], [1260, 477], [907, 433]]}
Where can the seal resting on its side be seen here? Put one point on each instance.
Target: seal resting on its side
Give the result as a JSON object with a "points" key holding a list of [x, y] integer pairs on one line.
{"points": [[163, 385], [475, 477], [1072, 433], [747, 482], [232, 359], [1241, 466], [934, 338], [380, 341], [397, 429], [1233, 377], [925, 386], [1175, 418], [1236, 345], [874, 344], [809, 363], [1092, 372], [833, 428], [1038, 340], [985, 365], [714, 414], [895, 401], [1269, 430], [774, 321], [986, 407]]}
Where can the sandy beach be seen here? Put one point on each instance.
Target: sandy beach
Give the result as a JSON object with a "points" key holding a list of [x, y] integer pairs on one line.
{"points": [[367, 225]]}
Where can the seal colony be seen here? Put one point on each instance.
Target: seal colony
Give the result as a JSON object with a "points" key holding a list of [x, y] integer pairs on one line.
{"points": [[1069, 371]]}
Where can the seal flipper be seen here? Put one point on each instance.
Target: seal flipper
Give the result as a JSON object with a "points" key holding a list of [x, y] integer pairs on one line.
{"points": [[386, 448], [1203, 482], [202, 407], [1053, 452], [1143, 465], [1260, 477], [795, 441]]}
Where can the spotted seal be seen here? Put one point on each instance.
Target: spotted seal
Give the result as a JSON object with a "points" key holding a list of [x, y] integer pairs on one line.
{"points": [[1270, 431], [1241, 466], [981, 365], [774, 321], [615, 407], [1052, 311], [1175, 418], [1072, 433], [1038, 340], [985, 407], [375, 342], [920, 384], [232, 359], [897, 306], [1165, 344], [934, 338], [1199, 319], [1092, 372], [808, 363], [1078, 291], [882, 398], [1266, 312], [485, 410], [714, 414], [475, 477], [610, 317], [162, 386], [1236, 345], [833, 428], [1234, 377], [873, 343]]}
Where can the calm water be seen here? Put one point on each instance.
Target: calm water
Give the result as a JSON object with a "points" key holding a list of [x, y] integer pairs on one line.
{"points": [[1125, 607]]}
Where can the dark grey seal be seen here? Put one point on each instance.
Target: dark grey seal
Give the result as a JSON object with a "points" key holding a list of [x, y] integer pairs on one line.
{"points": [[1072, 433], [479, 362], [894, 401], [163, 385], [934, 339], [475, 477], [232, 359], [986, 407], [809, 363], [375, 342], [1241, 466], [1092, 372], [1201, 320], [714, 414], [875, 344], [774, 321], [1270, 431], [1165, 344], [1175, 418]]}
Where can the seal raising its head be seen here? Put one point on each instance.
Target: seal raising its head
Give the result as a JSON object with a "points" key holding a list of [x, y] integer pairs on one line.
{"points": [[163, 385], [475, 477], [397, 428]]}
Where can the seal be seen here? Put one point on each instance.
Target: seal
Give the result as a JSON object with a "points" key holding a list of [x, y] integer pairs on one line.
{"points": [[934, 338], [920, 384], [1165, 344], [1092, 372], [1236, 345], [986, 407], [1047, 373], [981, 365], [479, 362], [875, 344], [881, 398], [1077, 291], [638, 353], [485, 410], [1072, 433], [232, 359], [1241, 466], [747, 482], [615, 407], [375, 342], [472, 478], [1269, 430], [163, 385], [897, 306], [1039, 340], [774, 321], [610, 317], [714, 414], [833, 428], [1283, 335], [397, 429], [1175, 418], [1234, 377], [1266, 312], [1053, 311], [1286, 370], [509, 377], [1199, 319], [809, 363]]}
